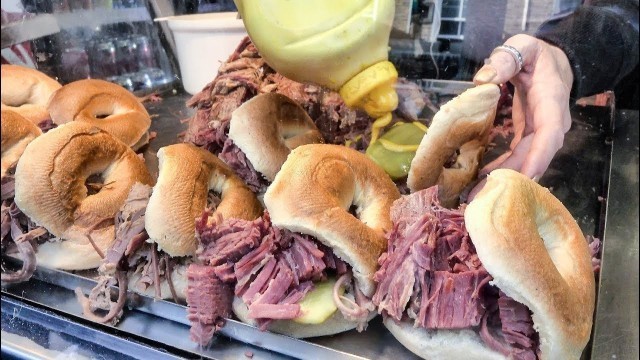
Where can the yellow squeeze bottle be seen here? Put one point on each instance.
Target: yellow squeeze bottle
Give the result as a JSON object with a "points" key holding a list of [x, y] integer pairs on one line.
{"points": [[342, 45]]}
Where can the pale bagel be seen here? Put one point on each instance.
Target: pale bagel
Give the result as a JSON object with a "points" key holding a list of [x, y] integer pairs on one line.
{"points": [[313, 192], [461, 124], [27, 92], [187, 173], [535, 251], [105, 105], [17, 133], [50, 189], [267, 127]]}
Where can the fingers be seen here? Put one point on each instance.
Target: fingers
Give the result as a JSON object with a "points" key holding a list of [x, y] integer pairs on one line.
{"points": [[547, 140], [501, 66]]}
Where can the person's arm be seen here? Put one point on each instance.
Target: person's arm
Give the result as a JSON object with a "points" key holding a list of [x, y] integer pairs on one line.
{"points": [[600, 40]]}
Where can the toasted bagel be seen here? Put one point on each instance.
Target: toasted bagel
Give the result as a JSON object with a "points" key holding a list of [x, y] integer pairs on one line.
{"points": [[461, 124], [17, 133], [51, 190], [187, 173], [105, 105], [535, 251], [267, 127], [27, 92], [313, 192]]}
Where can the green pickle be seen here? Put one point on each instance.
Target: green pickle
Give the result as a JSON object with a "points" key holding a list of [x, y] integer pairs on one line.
{"points": [[396, 164], [317, 305]]}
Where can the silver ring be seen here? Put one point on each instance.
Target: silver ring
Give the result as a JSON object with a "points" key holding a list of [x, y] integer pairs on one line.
{"points": [[517, 56]]}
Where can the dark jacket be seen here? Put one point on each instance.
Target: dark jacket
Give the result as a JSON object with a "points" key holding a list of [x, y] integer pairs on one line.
{"points": [[600, 39]]}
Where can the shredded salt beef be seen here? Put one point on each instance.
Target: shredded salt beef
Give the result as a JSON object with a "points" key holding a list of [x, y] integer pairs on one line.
{"points": [[238, 162], [46, 125], [270, 269], [130, 237], [431, 275], [19, 235]]}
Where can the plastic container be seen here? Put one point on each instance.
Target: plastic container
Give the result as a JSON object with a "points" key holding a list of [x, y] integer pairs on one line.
{"points": [[203, 42]]}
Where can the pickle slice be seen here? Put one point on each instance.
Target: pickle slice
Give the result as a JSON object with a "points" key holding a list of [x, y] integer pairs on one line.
{"points": [[395, 163], [317, 305]]}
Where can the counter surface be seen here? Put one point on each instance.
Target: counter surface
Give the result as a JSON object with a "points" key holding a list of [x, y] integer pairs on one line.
{"points": [[591, 176]]}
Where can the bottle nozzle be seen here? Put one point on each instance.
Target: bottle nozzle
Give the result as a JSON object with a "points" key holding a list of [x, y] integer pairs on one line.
{"points": [[372, 89]]}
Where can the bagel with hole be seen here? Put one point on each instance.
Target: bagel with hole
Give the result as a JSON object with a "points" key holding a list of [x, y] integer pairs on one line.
{"points": [[262, 132], [305, 267], [105, 105], [17, 133], [452, 149], [508, 276], [72, 181], [188, 175], [27, 92]]}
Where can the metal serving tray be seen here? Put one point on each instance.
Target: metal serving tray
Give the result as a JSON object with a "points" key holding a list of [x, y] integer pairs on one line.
{"points": [[578, 176]]}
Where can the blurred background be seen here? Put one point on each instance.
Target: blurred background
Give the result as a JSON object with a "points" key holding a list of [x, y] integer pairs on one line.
{"points": [[118, 40]]}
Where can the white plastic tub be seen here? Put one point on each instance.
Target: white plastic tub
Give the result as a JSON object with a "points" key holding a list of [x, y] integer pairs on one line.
{"points": [[203, 42]]}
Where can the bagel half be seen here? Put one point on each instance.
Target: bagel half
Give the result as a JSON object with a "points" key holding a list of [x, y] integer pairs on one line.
{"points": [[105, 105], [187, 174], [461, 125], [51, 190], [267, 127], [536, 254], [313, 194], [17, 133], [27, 92]]}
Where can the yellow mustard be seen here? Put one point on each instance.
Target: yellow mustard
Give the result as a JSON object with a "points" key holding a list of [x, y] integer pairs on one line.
{"points": [[342, 45]]}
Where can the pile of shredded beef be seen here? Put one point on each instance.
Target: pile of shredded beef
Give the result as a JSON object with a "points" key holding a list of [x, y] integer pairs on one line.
{"points": [[129, 255], [18, 233], [46, 125], [431, 275], [270, 269]]}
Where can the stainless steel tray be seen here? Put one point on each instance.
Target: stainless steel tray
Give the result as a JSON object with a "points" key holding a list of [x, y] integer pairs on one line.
{"points": [[579, 176]]}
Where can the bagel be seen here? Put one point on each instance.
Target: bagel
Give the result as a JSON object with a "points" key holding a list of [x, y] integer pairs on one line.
{"points": [[187, 174], [105, 105], [463, 125], [27, 92], [313, 193], [17, 133], [536, 259], [51, 190], [554, 276], [266, 129]]}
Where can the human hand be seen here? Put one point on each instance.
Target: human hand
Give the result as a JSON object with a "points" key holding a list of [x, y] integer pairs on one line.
{"points": [[540, 104]]}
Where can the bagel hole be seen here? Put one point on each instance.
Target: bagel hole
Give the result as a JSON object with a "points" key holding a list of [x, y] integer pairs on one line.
{"points": [[451, 162], [213, 200], [102, 116], [353, 210], [94, 184]]}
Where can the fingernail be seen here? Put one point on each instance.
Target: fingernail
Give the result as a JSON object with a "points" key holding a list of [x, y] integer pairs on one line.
{"points": [[485, 75], [536, 178]]}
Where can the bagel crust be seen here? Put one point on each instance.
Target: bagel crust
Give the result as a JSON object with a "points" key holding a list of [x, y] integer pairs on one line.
{"points": [[461, 124], [27, 92], [267, 127], [187, 173], [535, 251], [105, 105], [50, 189], [313, 192], [17, 133]]}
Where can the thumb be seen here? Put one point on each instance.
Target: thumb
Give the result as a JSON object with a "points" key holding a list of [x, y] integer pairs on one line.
{"points": [[501, 66], [498, 69]]}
